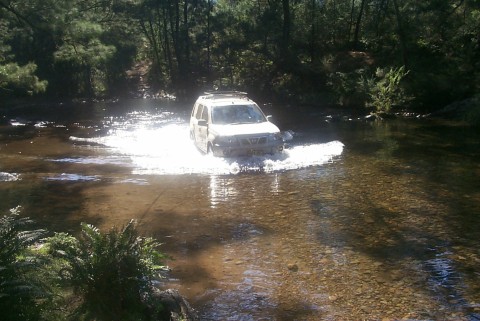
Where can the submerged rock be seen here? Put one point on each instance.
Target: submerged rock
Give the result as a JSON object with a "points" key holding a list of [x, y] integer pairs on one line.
{"points": [[176, 307], [292, 267]]}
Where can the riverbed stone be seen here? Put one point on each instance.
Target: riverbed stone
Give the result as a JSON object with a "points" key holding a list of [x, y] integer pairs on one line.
{"points": [[292, 267], [176, 307], [333, 298]]}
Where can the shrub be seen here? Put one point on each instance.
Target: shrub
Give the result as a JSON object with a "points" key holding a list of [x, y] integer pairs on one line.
{"points": [[112, 272], [384, 90]]}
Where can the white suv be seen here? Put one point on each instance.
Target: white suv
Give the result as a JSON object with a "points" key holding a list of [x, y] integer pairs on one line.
{"points": [[229, 124]]}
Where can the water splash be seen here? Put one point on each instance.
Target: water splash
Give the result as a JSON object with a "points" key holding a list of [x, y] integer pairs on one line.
{"points": [[168, 150]]}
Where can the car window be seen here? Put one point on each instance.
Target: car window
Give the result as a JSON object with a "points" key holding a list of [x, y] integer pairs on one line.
{"points": [[194, 110], [198, 115], [237, 114], [205, 113]]}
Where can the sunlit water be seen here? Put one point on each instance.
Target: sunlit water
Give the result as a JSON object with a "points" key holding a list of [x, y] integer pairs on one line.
{"points": [[353, 221], [160, 147]]}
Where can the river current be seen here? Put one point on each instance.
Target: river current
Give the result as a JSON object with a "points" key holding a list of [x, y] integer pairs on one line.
{"points": [[356, 220]]}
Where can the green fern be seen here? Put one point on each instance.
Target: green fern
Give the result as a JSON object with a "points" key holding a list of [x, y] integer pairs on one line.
{"points": [[113, 272], [385, 90], [21, 292]]}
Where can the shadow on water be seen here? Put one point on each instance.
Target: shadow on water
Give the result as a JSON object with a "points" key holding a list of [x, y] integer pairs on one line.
{"points": [[417, 211], [55, 202]]}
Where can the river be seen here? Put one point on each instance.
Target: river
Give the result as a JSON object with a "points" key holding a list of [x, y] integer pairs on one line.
{"points": [[356, 220]]}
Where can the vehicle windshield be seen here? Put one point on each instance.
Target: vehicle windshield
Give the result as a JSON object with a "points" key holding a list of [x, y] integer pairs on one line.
{"points": [[237, 114]]}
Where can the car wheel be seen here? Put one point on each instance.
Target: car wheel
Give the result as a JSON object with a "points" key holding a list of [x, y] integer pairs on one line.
{"points": [[210, 149]]}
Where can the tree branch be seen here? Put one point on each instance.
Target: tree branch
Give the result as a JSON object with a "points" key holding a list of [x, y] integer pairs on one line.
{"points": [[17, 14]]}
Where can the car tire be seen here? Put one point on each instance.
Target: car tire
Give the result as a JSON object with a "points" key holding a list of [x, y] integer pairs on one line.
{"points": [[210, 150]]}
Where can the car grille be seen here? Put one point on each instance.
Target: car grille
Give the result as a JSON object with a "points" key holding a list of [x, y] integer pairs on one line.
{"points": [[253, 141]]}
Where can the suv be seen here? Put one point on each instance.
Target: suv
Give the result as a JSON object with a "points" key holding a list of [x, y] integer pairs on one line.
{"points": [[229, 124]]}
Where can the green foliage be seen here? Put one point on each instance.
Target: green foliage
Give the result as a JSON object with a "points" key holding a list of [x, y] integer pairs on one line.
{"points": [[112, 272], [22, 292], [85, 47], [73, 43], [15, 77], [82, 46], [346, 88], [83, 50], [385, 90]]}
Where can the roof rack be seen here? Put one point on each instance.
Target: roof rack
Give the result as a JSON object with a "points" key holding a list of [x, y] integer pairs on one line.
{"points": [[226, 93]]}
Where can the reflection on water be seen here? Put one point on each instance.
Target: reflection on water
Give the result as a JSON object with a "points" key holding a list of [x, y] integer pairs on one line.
{"points": [[354, 221], [73, 177], [9, 177], [221, 189]]}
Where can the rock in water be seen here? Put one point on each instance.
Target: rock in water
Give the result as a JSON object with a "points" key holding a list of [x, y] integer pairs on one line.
{"points": [[176, 307]]}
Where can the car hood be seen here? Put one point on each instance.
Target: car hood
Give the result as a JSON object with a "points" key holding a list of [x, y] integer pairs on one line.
{"points": [[244, 129]]}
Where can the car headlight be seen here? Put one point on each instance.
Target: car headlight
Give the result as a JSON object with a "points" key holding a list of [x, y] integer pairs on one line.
{"points": [[275, 137]]}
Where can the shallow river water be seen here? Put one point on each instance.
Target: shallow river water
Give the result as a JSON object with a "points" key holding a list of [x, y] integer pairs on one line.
{"points": [[356, 220]]}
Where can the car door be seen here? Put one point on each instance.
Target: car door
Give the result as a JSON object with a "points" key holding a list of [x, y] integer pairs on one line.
{"points": [[202, 128], [199, 126]]}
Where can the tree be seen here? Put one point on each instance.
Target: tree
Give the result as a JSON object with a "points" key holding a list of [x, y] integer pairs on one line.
{"points": [[20, 78], [13, 77], [84, 52], [76, 44], [280, 47]]}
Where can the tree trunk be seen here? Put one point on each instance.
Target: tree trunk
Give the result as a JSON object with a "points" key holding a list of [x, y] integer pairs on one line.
{"points": [[380, 16], [209, 17], [186, 37], [167, 50], [155, 45], [313, 32], [401, 35], [286, 28], [352, 10], [357, 26]]}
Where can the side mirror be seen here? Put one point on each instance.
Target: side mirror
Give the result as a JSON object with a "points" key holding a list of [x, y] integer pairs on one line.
{"points": [[202, 122], [269, 117]]}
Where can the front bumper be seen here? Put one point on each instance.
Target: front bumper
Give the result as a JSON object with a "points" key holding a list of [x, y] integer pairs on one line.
{"points": [[247, 146]]}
